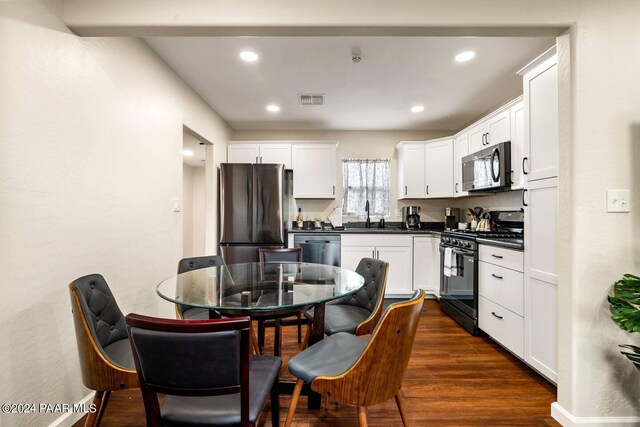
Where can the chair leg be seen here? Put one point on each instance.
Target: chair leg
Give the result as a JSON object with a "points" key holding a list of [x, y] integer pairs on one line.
{"points": [[307, 334], [401, 408], [299, 328], [294, 402], [260, 335], [275, 404], [362, 417], [100, 400], [254, 340]]}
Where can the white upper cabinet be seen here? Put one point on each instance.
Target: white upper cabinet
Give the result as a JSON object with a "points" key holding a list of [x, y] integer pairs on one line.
{"points": [[460, 149], [259, 152], [243, 153], [438, 164], [541, 128], [276, 153], [411, 170], [517, 146], [314, 170], [492, 130]]}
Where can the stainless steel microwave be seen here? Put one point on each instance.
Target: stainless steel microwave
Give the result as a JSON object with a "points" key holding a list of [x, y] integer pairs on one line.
{"points": [[488, 169]]}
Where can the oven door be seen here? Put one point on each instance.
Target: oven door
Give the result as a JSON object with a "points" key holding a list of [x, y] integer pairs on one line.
{"points": [[461, 290]]}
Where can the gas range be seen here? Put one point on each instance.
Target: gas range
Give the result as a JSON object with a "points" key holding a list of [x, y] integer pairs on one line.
{"points": [[508, 232]]}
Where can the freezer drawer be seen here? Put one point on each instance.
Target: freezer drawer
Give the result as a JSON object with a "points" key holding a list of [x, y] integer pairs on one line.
{"points": [[324, 249]]}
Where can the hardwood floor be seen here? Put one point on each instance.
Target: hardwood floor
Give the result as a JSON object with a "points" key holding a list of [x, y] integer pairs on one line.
{"points": [[453, 379]]}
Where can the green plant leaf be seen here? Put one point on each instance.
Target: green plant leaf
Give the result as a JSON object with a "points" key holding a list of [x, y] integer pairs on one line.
{"points": [[624, 302]]}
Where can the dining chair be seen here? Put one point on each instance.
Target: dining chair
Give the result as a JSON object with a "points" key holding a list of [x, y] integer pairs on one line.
{"points": [[190, 264], [269, 257], [186, 312], [358, 313], [204, 370], [106, 361], [352, 370]]}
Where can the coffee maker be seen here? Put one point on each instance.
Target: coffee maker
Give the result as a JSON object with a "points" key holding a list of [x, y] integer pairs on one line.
{"points": [[451, 218], [411, 217]]}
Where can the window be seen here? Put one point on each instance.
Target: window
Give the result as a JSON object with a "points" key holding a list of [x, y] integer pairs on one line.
{"points": [[362, 180]]}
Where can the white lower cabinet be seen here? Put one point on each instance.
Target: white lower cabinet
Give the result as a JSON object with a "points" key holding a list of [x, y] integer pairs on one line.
{"points": [[501, 296], [394, 249], [502, 325], [426, 264]]}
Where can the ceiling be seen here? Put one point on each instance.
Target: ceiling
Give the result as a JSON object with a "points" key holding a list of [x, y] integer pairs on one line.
{"points": [[377, 93]]}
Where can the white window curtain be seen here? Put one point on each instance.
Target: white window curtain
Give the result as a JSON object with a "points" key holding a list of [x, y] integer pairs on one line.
{"points": [[362, 180]]}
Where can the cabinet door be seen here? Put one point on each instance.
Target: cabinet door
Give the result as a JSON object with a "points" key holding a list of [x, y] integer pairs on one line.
{"points": [[517, 146], [439, 169], [426, 264], [460, 149], [541, 121], [399, 276], [476, 137], [276, 153], [412, 172], [351, 255], [498, 128], [314, 171], [243, 153], [541, 277]]}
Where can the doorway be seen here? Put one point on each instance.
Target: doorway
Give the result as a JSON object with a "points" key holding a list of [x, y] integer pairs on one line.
{"points": [[197, 155]]}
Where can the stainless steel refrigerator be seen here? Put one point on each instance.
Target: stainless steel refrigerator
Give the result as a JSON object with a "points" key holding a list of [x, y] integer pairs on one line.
{"points": [[254, 209]]}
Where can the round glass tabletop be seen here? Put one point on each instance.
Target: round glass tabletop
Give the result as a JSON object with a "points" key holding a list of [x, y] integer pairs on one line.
{"points": [[260, 288]]}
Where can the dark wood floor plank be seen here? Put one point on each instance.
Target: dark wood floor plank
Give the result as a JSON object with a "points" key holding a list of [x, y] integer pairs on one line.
{"points": [[453, 379]]}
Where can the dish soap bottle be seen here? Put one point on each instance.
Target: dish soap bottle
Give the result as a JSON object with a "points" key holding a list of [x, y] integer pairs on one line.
{"points": [[299, 219]]}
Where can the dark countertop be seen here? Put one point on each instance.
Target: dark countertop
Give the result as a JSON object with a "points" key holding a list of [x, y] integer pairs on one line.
{"points": [[517, 244], [372, 230]]}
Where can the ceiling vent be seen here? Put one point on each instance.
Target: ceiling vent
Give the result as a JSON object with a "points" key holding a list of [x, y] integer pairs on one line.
{"points": [[311, 99]]}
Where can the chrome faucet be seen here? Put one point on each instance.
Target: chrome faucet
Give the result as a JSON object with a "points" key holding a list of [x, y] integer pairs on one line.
{"points": [[366, 208]]}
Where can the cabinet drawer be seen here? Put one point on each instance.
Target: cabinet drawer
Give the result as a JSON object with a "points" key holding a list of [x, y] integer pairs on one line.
{"points": [[375, 240], [502, 257], [502, 286], [502, 325]]}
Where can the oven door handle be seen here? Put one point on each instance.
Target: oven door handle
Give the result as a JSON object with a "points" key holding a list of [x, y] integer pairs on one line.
{"points": [[463, 252]]}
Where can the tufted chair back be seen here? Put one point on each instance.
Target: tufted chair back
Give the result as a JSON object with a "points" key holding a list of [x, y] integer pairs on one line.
{"points": [[371, 294], [99, 308], [196, 263]]}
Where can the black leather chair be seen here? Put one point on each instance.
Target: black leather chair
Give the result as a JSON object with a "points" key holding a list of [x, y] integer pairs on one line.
{"points": [[358, 313], [190, 264], [269, 259], [204, 369], [352, 370], [106, 361]]}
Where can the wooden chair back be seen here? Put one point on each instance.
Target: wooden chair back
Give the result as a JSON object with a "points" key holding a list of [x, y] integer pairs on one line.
{"points": [[195, 263], [377, 375], [98, 372]]}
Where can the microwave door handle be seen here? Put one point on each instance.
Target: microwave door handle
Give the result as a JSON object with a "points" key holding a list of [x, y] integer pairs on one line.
{"points": [[496, 153]]}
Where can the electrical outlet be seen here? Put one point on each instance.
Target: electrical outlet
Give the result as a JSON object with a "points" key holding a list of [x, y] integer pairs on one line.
{"points": [[617, 200]]}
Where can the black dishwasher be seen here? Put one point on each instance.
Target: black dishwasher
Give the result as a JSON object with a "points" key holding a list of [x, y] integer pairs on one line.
{"points": [[319, 249]]}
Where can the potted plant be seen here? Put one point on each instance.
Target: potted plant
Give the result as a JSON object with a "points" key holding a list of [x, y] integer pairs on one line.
{"points": [[624, 302]]}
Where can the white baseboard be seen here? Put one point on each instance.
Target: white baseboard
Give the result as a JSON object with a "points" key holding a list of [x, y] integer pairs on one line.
{"points": [[70, 418], [567, 419]]}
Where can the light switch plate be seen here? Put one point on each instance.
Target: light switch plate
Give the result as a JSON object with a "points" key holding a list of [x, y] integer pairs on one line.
{"points": [[177, 204], [617, 200]]}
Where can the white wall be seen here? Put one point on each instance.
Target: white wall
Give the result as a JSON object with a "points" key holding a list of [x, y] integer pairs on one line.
{"points": [[90, 160], [187, 210], [353, 144]]}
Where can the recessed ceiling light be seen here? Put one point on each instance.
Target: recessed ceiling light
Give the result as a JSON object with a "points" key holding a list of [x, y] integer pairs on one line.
{"points": [[465, 56], [249, 56], [417, 109], [187, 153], [273, 108]]}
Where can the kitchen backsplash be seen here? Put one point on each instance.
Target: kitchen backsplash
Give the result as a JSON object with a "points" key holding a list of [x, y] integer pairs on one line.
{"points": [[430, 210]]}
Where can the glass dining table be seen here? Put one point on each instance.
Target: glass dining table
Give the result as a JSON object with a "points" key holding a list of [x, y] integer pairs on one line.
{"points": [[264, 291]]}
